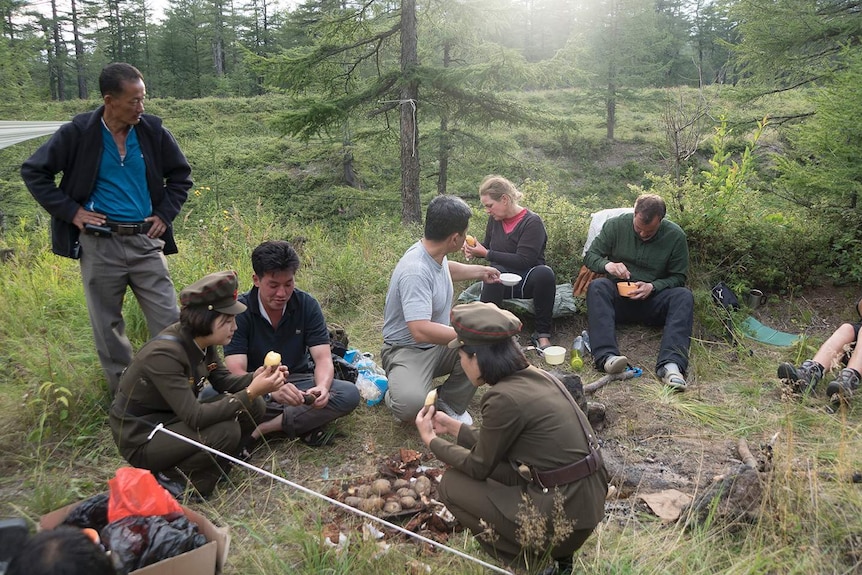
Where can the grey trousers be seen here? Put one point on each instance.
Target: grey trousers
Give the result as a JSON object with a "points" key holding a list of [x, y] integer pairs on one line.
{"points": [[108, 266], [411, 372], [301, 419]]}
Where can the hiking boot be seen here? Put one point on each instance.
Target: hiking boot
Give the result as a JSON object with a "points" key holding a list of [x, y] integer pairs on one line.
{"points": [[615, 364], [841, 390], [804, 378]]}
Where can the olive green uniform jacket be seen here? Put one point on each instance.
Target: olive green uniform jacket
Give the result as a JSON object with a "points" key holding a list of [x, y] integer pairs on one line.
{"points": [[162, 385], [526, 419]]}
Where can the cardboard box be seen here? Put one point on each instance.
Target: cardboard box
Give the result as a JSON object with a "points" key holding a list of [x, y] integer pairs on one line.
{"points": [[206, 560]]}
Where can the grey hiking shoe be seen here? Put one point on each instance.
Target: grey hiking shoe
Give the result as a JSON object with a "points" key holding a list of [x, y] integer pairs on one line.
{"points": [[615, 364], [804, 378], [841, 390], [673, 379]]}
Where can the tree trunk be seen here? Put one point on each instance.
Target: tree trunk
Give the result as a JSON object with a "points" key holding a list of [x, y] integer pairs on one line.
{"points": [[218, 56], [443, 150], [347, 157], [145, 15], [115, 11], [59, 52], [410, 206], [79, 54], [443, 154], [611, 109]]}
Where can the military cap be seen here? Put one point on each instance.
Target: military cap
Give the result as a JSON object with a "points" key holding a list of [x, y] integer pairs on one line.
{"points": [[216, 292], [481, 323]]}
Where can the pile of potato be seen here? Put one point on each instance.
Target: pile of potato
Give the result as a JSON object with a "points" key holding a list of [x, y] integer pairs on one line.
{"points": [[385, 497]]}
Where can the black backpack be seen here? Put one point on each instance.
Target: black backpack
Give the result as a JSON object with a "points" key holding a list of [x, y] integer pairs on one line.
{"points": [[724, 296], [339, 344]]}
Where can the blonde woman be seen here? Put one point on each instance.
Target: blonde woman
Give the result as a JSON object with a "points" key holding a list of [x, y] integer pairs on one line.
{"points": [[515, 240]]}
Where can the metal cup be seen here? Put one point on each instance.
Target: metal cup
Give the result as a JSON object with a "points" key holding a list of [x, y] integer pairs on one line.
{"points": [[755, 298]]}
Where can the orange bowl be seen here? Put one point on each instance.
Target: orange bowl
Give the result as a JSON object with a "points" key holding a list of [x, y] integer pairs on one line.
{"points": [[626, 288]]}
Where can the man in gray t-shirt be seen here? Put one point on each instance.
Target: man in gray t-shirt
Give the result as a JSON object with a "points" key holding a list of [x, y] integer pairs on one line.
{"points": [[416, 326]]}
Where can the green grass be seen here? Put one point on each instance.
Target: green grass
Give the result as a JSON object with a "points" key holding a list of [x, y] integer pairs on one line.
{"points": [[810, 504]]}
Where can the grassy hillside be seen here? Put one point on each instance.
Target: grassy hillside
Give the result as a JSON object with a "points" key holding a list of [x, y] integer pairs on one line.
{"points": [[252, 184]]}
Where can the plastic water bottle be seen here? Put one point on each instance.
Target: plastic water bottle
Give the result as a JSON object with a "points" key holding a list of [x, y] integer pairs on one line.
{"points": [[352, 355], [372, 381], [577, 360], [587, 348]]}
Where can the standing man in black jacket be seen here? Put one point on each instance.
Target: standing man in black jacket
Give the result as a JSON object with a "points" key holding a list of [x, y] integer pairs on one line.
{"points": [[124, 181]]}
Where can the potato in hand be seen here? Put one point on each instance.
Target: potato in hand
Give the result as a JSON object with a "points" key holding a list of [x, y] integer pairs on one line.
{"points": [[272, 359]]}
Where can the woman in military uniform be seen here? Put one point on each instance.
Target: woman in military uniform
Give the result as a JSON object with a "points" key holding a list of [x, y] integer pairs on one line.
{"points": [[534, 454], [163, 382]]}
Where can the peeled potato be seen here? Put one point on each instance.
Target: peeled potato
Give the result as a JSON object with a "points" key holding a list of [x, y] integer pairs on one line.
{"points": [[272, 359], [471, 241], [431, 398]]}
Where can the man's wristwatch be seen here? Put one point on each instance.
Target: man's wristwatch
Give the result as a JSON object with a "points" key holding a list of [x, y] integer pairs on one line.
{"points": [[267, 397]]}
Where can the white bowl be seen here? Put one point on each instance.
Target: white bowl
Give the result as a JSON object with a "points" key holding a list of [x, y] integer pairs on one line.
{"points": [[510, 279], [554, 354]]}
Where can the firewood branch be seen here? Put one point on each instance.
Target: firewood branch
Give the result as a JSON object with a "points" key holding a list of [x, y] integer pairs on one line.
{"points": [[745, 454], [600, 383]]}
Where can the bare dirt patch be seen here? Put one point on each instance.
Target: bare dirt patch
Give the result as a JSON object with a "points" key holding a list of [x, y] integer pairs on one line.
{"points": [[655, 440]]}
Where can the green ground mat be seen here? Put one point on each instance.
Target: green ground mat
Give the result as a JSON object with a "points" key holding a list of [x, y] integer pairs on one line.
{"points": [[564, 302], [755, 330]]}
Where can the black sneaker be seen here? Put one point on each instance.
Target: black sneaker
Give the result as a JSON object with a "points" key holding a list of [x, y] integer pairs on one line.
{"points": [[841, 390], [247, 447], [178, 488], [804, 378], [559, 567], [319, 437], [173, 486]]}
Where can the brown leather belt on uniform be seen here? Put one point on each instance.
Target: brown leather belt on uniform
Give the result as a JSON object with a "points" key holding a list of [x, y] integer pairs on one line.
{"points": [[129, 228], [570, 473]]}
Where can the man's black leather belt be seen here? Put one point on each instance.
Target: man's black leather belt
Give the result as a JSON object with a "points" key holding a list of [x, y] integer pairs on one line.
{"points": [[129, 228], [570, 473]]}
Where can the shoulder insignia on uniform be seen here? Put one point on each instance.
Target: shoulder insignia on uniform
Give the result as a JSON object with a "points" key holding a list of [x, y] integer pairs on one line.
{"points": [[212, 366]]}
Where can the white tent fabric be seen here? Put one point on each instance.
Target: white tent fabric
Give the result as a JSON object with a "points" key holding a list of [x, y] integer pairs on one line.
{"points": [[12, 132], [598, 221]]}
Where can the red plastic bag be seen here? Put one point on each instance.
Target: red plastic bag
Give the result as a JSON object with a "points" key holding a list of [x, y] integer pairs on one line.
{"points": [[135, 491]]}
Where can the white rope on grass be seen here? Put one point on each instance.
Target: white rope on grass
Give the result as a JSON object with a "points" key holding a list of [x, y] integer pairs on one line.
{"points": [[161, 428]]}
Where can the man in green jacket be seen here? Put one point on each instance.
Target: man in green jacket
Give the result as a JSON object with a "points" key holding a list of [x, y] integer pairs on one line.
{"points": [[652, 253]]}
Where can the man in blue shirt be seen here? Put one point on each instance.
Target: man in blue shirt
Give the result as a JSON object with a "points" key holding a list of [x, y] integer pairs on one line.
{"points": [[124, 181], [289, 321]]}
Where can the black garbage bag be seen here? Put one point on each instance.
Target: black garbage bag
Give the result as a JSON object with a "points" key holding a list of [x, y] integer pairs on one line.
{"points": [[170, 539], [137, 541], [92, 513]]}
